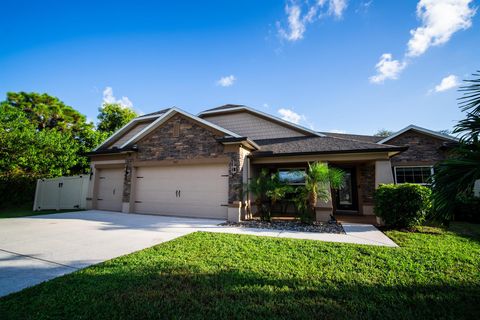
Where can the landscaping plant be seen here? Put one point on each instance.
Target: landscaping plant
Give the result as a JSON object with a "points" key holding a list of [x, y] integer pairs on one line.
{"points": [[402, 205], [267, 190], [456, 176], [319, 180]]}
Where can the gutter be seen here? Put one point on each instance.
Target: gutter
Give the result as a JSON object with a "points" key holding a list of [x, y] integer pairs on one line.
{"points": [[269, 154]]}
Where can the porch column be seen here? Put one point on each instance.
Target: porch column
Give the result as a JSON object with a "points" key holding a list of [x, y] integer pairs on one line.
{"points": [[383, 172], [324, 209]]}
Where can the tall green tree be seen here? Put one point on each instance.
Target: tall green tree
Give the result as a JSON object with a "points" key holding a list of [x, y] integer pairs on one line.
{"points": [[456, 175], [383, 133], [113, 116], [47, 112], [39, 127]]}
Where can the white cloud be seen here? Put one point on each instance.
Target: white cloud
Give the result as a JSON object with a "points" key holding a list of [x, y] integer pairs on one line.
{"points": [[364, 6], [337, 7], [296, 24], [447, 83], [290, 115], [387, 68], [299, 16], [440, 20], [226, 81], [337, 131], [108, 97]]}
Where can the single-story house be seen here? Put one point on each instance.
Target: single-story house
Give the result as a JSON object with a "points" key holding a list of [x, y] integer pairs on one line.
{"points": [[174, 163]]}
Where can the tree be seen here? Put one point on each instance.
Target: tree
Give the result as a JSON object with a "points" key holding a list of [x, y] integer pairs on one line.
{"points": [[457, 175], [267, 189], [445, 132], [32, 121], [25, 150], [383, 133], [113, 116], [45, 111], [319, 180]]}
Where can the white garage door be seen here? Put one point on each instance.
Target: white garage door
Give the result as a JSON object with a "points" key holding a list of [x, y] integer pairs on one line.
{"points": [[110, 189], [193, 190]]}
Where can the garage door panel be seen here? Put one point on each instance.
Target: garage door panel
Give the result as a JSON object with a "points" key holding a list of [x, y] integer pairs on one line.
{"points": [[203, 190]]}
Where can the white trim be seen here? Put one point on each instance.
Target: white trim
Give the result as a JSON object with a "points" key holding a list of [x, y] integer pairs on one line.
{"points": [[125, 127], [417, 166], [118, 132], [420, 129], [167, 115], [288, 123]]}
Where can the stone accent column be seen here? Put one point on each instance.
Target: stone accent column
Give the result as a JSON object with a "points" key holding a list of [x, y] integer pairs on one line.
{"points": [[127, 185], [383, 175]]}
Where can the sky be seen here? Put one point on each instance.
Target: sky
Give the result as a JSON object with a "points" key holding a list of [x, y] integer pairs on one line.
{"points": [[330, 65]]}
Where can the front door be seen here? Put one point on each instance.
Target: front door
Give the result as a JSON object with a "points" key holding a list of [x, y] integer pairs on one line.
{"points": [[346, 197]]}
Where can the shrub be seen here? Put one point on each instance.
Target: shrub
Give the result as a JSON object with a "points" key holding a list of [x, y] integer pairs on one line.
{"points": [[402, 205], [18, 190], [467, 208]]}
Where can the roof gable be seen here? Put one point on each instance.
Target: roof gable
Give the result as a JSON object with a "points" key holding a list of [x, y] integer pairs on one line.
{"points": [[125, 130], [421, 130], [273, 120], [166, 116]]}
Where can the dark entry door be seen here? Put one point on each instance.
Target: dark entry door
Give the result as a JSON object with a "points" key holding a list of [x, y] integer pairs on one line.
{"points": [[346, 197]]}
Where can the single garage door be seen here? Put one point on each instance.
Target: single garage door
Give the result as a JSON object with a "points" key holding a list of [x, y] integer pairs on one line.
{"points": [[190, 190], [110, 189]]}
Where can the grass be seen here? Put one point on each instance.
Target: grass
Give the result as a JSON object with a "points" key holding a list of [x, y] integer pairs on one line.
{"points": [[434, 275], [25, 211]]}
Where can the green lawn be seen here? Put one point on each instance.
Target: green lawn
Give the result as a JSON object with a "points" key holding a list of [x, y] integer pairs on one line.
{"points": [[25, 211], [435, 275]]}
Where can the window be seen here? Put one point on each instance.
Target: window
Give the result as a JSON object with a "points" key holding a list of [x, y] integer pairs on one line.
{"points": [[292, 176], [420, 175]]}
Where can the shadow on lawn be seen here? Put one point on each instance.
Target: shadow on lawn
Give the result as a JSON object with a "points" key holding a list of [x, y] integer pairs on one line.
{"points": [[164, 292]]}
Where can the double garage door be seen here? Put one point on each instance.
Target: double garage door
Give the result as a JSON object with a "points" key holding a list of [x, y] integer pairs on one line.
{"points": [[190, 190]]}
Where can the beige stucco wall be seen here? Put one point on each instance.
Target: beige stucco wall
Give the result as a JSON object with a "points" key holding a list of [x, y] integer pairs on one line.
{"points": [[252, 126], [383, 172]]}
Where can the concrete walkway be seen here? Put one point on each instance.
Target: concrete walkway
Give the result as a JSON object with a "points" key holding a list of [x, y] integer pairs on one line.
{"points": [[354, 233], [39, 248]]}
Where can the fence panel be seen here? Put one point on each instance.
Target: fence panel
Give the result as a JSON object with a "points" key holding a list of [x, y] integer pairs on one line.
{"points": [[61, 193]]}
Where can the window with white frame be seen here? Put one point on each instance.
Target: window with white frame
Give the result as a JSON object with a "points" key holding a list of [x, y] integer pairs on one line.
{"points": [[417, 174]]}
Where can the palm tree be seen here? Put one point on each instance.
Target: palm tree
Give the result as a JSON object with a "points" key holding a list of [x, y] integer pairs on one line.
{"points": [[457, 175], [319, 179]]}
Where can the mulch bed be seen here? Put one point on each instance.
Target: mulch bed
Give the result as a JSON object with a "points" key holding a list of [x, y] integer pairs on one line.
{"points": [[320, 227]]}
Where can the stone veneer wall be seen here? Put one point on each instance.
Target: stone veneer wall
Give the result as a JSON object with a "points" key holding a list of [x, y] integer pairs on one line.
{"points": [[192, 141], [422, 149], [366, 182], [127, 181]]}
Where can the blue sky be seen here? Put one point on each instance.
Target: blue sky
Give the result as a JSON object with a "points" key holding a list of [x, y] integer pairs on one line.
{"points": [[334, 65]]}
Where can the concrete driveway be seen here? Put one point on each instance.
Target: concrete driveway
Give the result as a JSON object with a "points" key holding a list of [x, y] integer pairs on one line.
{"points": [[39, 248]]}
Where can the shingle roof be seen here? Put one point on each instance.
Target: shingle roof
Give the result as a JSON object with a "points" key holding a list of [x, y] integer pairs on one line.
{"points": [[359, 137], [312, 145], [159, 112], [225, 106]]}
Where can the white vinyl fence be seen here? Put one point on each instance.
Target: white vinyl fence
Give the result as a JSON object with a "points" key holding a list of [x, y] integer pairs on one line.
{"points": [[61, 193]]}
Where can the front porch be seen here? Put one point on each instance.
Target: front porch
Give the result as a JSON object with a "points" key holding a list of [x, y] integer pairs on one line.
{"points": [[353, 203]]}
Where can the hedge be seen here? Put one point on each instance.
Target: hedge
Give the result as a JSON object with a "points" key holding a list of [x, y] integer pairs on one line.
{"points": [[402, 205]]}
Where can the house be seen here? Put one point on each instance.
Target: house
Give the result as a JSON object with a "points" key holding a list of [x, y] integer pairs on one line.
{"points": [[175, 163]]}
